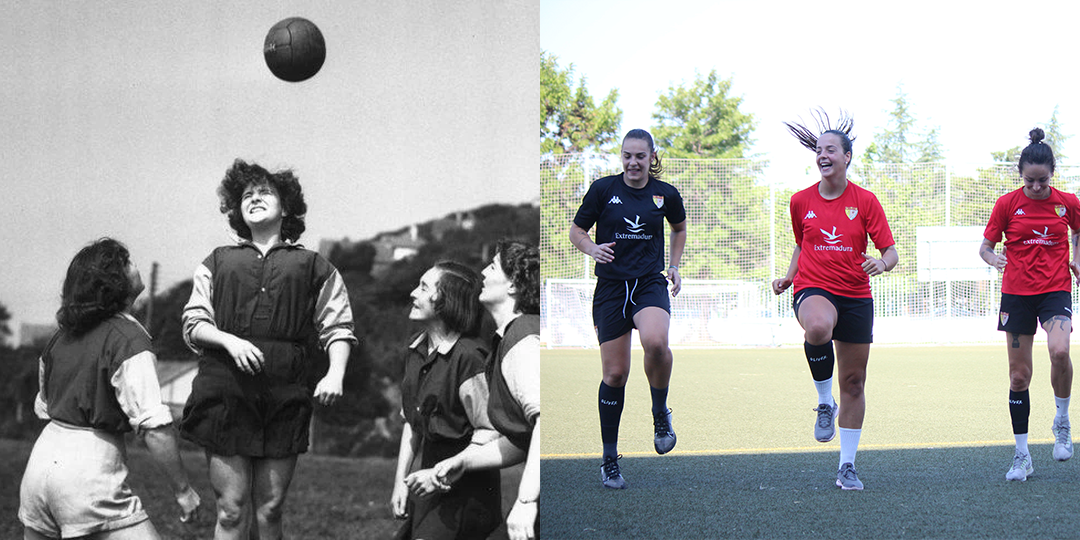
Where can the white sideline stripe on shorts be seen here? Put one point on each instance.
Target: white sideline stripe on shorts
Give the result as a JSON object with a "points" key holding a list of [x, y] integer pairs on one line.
{"points": [[801, 449]]}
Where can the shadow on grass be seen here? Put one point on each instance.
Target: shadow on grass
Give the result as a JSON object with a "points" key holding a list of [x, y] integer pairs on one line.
{"points": [[910, 493]]}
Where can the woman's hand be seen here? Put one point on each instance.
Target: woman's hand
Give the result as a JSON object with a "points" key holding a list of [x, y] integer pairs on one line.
{"points": [[872, 266], [602, 253], [189, 503], [423, 483], [519, 523], [398, 500], [329, 390], [780, 285], [247, 356], [675, 279]]}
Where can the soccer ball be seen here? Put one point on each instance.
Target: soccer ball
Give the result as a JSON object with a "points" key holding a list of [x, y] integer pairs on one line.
{"points": [[294, 49]]}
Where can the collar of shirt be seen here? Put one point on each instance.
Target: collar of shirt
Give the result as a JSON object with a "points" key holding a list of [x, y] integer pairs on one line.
{"points": [[443, 348], [501, 331]]}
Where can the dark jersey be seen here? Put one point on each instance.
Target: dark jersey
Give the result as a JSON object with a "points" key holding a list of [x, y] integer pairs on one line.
{"points": [[634, 220]]}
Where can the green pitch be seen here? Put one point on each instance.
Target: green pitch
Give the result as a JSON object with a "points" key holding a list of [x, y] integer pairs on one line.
{"points": [[935, 447]]}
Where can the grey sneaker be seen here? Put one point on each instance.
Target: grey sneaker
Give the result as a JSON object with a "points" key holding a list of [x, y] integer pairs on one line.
{"points": [[1021, 467], [664, 435], [825, 428], [1062, 440], [847, 479], [610, 475]]}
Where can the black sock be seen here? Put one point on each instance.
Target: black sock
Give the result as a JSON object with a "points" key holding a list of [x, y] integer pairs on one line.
{"points": [[1019, 410], [659, 400], [611, 406], [821, 360]]}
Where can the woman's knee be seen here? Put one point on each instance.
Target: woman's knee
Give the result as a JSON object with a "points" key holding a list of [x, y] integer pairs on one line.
{"points": [[231, 510], [271, 510]]}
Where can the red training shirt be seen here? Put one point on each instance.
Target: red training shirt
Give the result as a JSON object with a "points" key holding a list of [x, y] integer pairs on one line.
{"points": [[1036, 240], [832, 235]]}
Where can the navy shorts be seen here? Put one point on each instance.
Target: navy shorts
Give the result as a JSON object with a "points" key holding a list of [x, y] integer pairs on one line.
{"points": [[854, 316], [1018, 312], [615, 302]]}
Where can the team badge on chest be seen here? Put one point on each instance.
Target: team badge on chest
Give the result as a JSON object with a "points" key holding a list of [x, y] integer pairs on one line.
{"points": [[851, 212], [658, 200], [1059, 209]]}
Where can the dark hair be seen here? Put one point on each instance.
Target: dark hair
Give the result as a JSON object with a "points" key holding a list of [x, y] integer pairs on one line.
{"points": [[1036, 153], [520, 263], [241, 175], [97, 286], [656, 168], [457, 302], [807, 137]]}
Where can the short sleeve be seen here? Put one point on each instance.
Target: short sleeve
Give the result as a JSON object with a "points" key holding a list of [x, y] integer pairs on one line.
{"points": [[673, 209], [878, 226], [589, 211], [996, 226], [139, 393], [521, 370], [333, 312]]}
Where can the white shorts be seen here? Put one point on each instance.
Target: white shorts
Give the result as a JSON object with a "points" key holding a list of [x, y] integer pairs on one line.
{"points": [[75, 484]]}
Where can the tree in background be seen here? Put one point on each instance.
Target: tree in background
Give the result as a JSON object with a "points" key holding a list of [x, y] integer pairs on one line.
{"points": [[701, 120], [570, 121], [5, 331], [899, 142], [1054, 137]]}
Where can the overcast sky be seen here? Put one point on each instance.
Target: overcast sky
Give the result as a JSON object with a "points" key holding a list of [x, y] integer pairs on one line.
{"points": [[984, 73], [119, 119]]}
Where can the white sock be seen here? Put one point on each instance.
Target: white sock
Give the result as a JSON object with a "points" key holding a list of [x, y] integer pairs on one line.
{"points": [[824, 392], [849, 444], [1062, 408], [1021, 443]]}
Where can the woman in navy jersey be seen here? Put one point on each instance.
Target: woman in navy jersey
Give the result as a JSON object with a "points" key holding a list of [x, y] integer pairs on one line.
{"points": [[1035, 289], [97, 381], [629, 210], [831, 271]]}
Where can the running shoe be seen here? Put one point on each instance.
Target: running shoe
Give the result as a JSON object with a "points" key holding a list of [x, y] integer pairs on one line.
{"points": [[1062, 440], [825, 428], [1021, 467], [664, 435], [610, 475], [847, 478]]}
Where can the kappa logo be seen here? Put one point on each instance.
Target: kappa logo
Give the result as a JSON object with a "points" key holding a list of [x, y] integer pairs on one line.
{"points": [[634, 226], [614, 200], [810, 215], [831, 237], [1019, 212]]}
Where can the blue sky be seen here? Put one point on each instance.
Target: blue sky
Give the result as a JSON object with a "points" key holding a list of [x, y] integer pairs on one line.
{"points": [[121, 118]]}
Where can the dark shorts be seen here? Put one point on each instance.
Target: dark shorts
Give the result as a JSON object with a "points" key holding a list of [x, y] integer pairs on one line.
{"points": [[854, 316], [265, 415], [615, 302], [1021, 314]]}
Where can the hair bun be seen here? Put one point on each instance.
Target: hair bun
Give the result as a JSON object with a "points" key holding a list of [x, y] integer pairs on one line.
{"points": [[1036, 135]]}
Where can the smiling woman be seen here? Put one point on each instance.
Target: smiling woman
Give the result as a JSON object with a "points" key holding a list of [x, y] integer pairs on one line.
{"points": [[831, 273], [629, 211]]}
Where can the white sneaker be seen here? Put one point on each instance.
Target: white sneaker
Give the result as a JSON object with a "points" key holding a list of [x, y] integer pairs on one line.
{"points": [[1062, 440], [1021, 467]]}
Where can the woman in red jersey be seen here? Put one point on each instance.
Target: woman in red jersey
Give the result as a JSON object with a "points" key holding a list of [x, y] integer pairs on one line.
{"points": [[831, 273], [1035, 220]]}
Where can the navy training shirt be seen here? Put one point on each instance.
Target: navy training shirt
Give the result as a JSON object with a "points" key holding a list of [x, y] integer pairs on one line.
{"points": [[634, 220]]}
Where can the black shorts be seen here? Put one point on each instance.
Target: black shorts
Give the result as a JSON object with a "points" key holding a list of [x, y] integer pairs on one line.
{"points": [[1018, 312], [615, 302], [854, 316]]}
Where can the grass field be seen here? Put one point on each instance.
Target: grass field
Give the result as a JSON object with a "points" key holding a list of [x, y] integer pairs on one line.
{"points": [[935, 447], [330, 498]]}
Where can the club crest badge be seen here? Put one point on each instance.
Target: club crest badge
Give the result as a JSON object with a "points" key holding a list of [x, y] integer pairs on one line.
{"points": [[658, 200], [1004, 318], [851, 212], [1059, 209]]}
